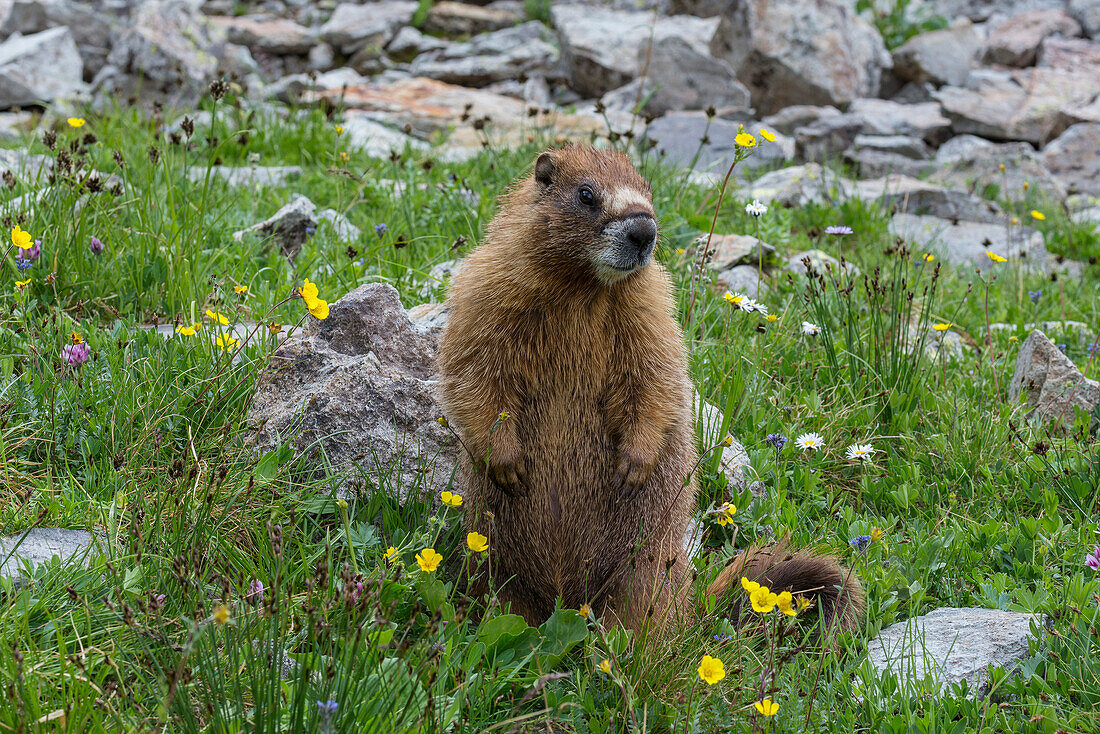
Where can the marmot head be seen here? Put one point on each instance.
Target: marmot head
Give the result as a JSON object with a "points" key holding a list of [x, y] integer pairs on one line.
{"points": [[595, 207]]}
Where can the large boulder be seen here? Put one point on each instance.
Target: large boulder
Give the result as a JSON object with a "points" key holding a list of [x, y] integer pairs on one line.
{"points": [[967, 162], [799, 186], [939, 57], [94, 26], [1052, 384], [42, 545], [1087, 13], [952, 645], [169, 53], [789, 53], [276, 36], [924, 120], [293, 224], [904, 193], [356, 391], [39, 68], [690, 140], [354, 27], [1074, 158], [490, 57], [1015, 40], [601, 47]]}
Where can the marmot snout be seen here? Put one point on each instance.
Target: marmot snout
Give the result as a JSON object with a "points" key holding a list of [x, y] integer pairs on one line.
{"points": [[564, 372]]}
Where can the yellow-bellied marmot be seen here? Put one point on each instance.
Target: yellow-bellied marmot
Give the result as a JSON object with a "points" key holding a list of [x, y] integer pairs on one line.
{"points": [[564, 373]]}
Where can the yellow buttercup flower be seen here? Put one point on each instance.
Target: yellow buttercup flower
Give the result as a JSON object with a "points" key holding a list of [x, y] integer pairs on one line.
{"points": [[451, 499], [477, 542], [275, 327], [240, 290], [876, 534], [941, 327], [1036, 214], [802, 602], [605, 666], [767, 707], [749, 586], [226, 342], [724, 514], [771, 317], [339, 129], [390, 555], [316, 306], [744, 140], [215, 316], [763, 600], [929, 257], [585, 611], [221, 615], [784, 601], [1013, 339], [21, 239], [21, 284], [188, 330], [76, 337], [711, 670], [995, 257], [767, 135], [428, 560], [75, 122], [343, 157]]}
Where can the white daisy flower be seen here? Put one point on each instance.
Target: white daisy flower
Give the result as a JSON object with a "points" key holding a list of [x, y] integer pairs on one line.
{"points": [[811, 329], [860, 451], [809, 441], [747, 305], [756, 208], [735, 298], [761, 308]]}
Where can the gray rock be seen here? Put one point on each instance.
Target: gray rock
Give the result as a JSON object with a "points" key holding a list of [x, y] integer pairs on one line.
{"points": [[291, 88], [248, 175], [16, 125], [680, 137], [1074, 158], [600, 46], [820, 261], [39, 68], [789, 119], [429, 320], [322, 57], [376, 139], [970, 163], [965, 243], [40, 545], [344, 230], [27, 167], [462, 19], [826, 139], [490, 57], [1087, 216], [665, 87], [1015, 40], [801, 53], [952, 645], [94, 26], [924, 120], [743, 279], [1087, 13], [799, 186], [728, 250], [358, 386], [735, 459], [981, 10], [168, 53], [296, 222], [409, 43], [276, 36], [922, 197], [884, 155], [353, 27], [939, 57], [1052, 384]]}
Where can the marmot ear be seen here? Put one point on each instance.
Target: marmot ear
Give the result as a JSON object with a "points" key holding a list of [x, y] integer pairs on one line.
{"points": [[544, 169]]}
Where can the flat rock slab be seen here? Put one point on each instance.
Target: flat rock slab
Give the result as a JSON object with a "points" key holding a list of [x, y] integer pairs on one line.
{"points": [[952, 645], [248, 175], [39, 545]]}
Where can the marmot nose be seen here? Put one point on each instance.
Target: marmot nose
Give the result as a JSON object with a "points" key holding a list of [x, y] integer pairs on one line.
{"points": [[641, 231]]}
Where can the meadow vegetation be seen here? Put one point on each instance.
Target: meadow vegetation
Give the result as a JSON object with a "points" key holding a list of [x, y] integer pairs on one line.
{"points": [[232, 591]]}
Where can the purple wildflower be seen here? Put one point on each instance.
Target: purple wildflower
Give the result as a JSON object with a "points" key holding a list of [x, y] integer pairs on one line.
{"points": [[96, 246], [380, 229], [723, 638], [838, 229], [76, 354], [327, 709], [1092, 560], [1092, 349], [777, 441], [255, 592], [22, 264], [1035, 295], [860, 543], [32, 253], [1062, 348]]}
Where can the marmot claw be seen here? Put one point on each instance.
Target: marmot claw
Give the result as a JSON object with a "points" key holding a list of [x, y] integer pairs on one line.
{"points": [[511, 478]]}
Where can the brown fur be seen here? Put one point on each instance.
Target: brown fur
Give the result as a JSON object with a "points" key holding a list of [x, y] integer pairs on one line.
{"points": [[593, 376]]}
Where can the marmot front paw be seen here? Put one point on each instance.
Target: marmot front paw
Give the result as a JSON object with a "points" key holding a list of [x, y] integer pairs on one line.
{"points": [[509, 476], [631, 475]]}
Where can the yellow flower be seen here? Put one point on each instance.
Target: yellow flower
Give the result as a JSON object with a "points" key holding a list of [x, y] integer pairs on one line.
{"points": [[275, 327], [390, 555], [343, 157], [876, 534], [451, 499], [240, 290], [995, 257], [316, 306], [711, 670], [1015, 221], [744, 140], [215, 316], [771, 317], [605, 666], [763, 600], [680, 251], [75, 122], [941, 327], [442, 420], [339, 129], [929, 257], [342, 503], [1002, 167], [21, 284], [477, 542], [784, 600], [733, 299], [1026, 186], [188, 330], [221, 615], [766, 707], [727, 441], [21, 239], [724, 513], [767, 135], [1013, 339], [1036, 214], [504, 415], [749, 586], [803, 603], [76, 337], [585, 611], [428, 560], [226, 342]]}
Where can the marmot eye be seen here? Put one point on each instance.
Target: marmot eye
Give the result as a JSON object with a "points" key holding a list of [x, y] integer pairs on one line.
{"points": [[586, 196]]}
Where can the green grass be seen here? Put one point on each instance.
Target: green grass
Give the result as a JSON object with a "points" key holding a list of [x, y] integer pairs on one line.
{"points": [[146, 445]]}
